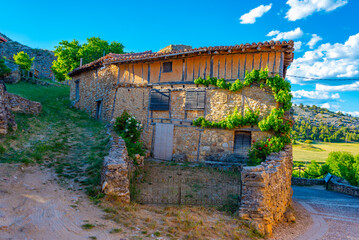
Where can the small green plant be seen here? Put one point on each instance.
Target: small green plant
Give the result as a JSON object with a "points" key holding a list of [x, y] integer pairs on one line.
{"points": [[116, 230], [87, 226], [23, 60]]}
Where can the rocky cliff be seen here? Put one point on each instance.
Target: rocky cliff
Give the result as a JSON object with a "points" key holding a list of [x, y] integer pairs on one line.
{"points": [[43, 58]]}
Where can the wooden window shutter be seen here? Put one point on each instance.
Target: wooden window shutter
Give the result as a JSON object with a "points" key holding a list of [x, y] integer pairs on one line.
{"points": [[167, 67], [159, 100], [242, 144], [195, 100]]}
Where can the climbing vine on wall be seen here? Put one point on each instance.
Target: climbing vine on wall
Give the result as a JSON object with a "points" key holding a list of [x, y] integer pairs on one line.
{"points": [[273, 122]]}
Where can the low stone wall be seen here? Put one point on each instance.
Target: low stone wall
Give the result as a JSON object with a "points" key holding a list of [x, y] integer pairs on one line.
{"points": [[339, 185], [307, 181], [266, 190], [23, 105], [7, 119], [114, 174]]}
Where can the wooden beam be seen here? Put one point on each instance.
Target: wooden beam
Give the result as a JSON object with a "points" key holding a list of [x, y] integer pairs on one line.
{"points": [[211, 67]]}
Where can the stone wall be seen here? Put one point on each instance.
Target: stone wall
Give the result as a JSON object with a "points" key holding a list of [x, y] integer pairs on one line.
{"points": [[114, 174], [307, 181], [43, 58], [23, 105], [266, 190], [339, 185], [15, 75], [13, 103], [119, 92], [7, 119]]}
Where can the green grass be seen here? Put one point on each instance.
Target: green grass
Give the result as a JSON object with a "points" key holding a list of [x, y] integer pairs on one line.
{"points": [[319, 151], [61, 137]]}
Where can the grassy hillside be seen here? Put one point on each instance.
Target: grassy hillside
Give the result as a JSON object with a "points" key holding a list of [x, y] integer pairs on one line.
{"points": [[320, 124], [319, 151], [60, 136]]}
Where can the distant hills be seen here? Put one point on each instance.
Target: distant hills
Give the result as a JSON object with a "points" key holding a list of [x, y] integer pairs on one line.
{"points": [[320, 124]]}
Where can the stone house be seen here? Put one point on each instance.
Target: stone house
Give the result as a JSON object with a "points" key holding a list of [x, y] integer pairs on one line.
{"points": [[158, 89]]}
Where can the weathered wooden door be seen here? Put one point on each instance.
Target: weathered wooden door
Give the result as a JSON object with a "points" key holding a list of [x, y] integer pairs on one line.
{"points": [[163, 145], [242, 143]]}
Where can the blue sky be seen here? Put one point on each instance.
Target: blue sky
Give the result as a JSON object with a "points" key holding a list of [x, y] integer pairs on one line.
{"points": [[326, 33]]}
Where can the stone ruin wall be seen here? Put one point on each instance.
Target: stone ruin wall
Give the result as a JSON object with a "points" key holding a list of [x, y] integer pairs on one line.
{"points": [[13, 103], [266, 190], [43, 58]]}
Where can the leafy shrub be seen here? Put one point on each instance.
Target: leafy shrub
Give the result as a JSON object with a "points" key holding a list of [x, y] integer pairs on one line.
{"points": [[130, 129], [308, 141], [345, 165], [23, 60]]}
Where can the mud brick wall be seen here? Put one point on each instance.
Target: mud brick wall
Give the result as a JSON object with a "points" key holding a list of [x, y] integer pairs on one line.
{"points": [[267, 191], [114, 174]]}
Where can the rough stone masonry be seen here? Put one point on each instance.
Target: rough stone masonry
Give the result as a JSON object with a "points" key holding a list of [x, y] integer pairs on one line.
{"points": [[266, 190], [13, 103]]}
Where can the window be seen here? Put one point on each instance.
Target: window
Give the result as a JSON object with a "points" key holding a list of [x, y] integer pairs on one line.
{"points": [[195, 100], [159, 100], [242, 144], [98, 109], [167, 67], [77, 90]]}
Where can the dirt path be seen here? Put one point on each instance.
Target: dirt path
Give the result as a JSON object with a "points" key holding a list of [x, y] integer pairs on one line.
{"points": [[34, 206], [335, 215]]}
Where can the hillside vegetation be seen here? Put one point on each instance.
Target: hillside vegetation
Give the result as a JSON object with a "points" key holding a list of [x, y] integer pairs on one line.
{"points": [[320, 124]]}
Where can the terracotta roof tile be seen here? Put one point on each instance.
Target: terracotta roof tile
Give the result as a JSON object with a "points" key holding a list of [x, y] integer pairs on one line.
{"points": [[2, 39], [149, 55]]}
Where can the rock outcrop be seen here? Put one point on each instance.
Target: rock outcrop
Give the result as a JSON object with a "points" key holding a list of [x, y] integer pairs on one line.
{"points": [[43, 58]]}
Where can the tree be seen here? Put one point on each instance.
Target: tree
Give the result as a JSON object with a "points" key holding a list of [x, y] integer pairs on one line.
{"points": [[69, 54], [23, 60], [4, 70], [67, 59]]}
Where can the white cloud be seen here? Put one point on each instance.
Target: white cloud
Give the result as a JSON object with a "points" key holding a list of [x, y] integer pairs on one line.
{"points": [[250, 18], [327, 61], [325, 105], [297, 46], [315, 94], [303, 8], [354, 113], [296, 33], [339, 88], [315, 38]]}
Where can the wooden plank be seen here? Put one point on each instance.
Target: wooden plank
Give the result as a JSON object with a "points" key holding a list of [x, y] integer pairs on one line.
{"points": [[159, 74], [211, 67], [205, 70], [118, 75], [183, 69], [149, 73]]}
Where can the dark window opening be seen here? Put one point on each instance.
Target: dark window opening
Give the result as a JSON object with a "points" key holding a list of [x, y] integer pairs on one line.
{"points": [[195, 100], [98, 109], [167, 67], [159, 100], [77, 90], [242, 144]]}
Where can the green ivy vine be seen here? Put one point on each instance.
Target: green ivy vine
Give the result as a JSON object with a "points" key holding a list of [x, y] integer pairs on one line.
{"points": [[273, 122]]}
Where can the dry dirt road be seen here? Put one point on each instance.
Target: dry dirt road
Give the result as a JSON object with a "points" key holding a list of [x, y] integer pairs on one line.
{"points": [[335, 215], [34, 206]]}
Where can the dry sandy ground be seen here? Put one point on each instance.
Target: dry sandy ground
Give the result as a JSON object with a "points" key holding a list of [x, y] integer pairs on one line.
{"points": [[34, 206]]}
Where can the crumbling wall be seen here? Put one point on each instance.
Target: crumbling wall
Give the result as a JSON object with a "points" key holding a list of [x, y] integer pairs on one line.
{"points": [[114, 174], [7, 120], [266, 190], [12, 103]]}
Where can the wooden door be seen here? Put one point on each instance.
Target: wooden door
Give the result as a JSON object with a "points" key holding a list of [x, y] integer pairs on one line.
{"points": [[242, 144], [163, 145]]}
